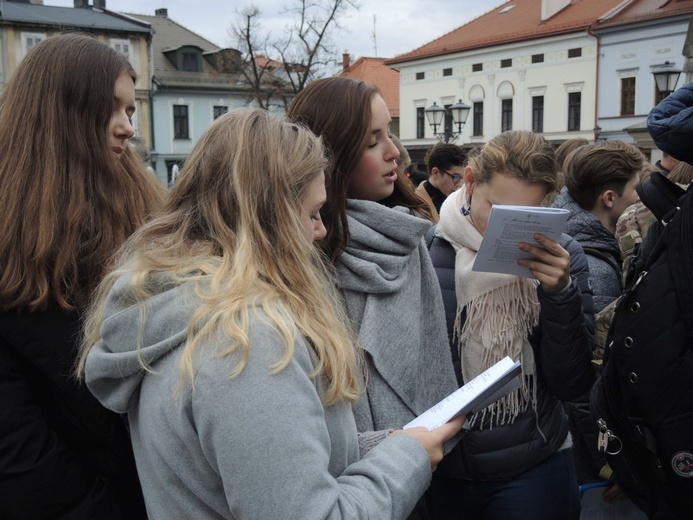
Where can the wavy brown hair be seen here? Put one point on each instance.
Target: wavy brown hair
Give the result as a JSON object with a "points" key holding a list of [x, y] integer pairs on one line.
{"points": [[66, 205], [519, 154], [592, 169], [339, 110]]}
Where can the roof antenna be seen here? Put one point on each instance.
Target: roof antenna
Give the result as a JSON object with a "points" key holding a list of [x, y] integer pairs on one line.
{"points": [[375, 41]]}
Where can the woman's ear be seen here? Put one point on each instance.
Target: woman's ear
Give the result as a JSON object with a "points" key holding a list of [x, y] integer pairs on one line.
{"points": [[469, 179]]}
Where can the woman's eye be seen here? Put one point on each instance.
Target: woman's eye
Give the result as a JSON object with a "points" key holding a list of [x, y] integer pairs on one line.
{"points": [[373, 145]]}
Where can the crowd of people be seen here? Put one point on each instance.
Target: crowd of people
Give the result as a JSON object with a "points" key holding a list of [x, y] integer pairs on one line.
{"points": [[251, 342]]}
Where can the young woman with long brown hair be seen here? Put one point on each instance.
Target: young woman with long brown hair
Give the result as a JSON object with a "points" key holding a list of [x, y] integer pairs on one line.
{"points": [[220, 335], [71, 191], [375, 227]]}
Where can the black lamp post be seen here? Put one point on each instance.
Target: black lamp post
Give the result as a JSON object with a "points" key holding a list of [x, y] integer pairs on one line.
{"points": [[153, 157], [597, 132], [666, 78], [435, 115]]}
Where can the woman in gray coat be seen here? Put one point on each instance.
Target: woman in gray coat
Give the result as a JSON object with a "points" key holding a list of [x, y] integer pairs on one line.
{"points": [[220, 336]]}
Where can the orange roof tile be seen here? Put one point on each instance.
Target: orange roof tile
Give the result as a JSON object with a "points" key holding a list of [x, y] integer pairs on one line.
{"points": [[512, 21], [375, 72], [643, 10]]}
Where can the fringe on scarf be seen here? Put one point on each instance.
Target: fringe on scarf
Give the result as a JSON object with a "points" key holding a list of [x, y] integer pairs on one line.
{"points": [[499, 322]]}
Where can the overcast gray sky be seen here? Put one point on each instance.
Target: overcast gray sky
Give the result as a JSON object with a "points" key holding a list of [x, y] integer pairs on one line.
{"points": [[400, 25]]}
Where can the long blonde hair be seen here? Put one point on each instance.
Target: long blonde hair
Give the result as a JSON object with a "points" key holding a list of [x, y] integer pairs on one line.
{"points": [[232, 224]]}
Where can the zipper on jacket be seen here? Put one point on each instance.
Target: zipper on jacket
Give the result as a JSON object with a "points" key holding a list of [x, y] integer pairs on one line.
{"points": [[605, 437]]}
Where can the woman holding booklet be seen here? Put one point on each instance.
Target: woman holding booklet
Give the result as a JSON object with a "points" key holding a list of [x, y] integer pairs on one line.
{"points": [[514, 461], [221, 336]]}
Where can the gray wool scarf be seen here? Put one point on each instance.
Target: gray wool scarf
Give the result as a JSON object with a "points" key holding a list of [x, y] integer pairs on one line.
{"points": [[394, 301]]}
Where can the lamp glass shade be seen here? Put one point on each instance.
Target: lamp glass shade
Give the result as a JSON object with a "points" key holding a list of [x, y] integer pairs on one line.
{"points": [[434, 114], [460, 112], [666, 78]]}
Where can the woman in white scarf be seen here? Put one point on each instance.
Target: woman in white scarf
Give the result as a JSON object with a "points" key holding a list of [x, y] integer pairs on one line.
{"points": [[514, 460]]}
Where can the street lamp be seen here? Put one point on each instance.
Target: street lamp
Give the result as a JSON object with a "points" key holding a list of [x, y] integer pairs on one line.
{"points": [[153, 157], [435, 115], [666, 78], [597, 132]]}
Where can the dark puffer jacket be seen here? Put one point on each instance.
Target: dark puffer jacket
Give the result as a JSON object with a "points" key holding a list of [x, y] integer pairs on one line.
{"points": [[563, 356], [601, 247], [670, 124]]}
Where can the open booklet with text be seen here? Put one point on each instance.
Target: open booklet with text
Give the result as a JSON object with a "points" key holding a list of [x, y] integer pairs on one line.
{"points": [[485, 389], [507, 227]]}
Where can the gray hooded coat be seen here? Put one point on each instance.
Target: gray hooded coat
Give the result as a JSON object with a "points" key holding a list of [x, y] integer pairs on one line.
{"points": [[255, 446]]}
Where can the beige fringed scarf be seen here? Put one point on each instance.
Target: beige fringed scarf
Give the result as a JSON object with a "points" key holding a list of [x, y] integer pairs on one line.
{"points": [[501, 310]]}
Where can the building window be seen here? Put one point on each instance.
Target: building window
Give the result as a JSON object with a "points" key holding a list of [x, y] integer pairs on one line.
{"points": [[575, 53], [123, 47], [180, 122], [420, 75], [477, 67], [420, 122], [506, 115], [508, 62], [538, 114], [574, 106], [478, 123], [220, 110], [628, 96], [31, 39], [190, 62], [658, 96], [447, 72], [537, 58], [447, 122]]}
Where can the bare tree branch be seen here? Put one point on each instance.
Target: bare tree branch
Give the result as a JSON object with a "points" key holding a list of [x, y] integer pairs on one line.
{"points": [[303, 52]]}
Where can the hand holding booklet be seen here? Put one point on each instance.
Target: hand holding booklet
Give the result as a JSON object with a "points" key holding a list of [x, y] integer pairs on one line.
{"points": [[507, 227], [485, 389]]}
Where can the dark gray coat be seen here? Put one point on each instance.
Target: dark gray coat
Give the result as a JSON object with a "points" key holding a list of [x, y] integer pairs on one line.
{"points": [[601, 246], [562, 351]]}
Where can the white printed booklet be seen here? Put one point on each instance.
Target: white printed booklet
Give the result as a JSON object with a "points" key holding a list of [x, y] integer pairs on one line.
{"points": [[485, 389]]}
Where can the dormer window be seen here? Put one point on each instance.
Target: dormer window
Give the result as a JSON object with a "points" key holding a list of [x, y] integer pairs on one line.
{"points": [[190, 62], [187, 58]]}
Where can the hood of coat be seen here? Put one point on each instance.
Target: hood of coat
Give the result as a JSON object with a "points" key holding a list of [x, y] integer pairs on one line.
{"points": [[585, 227], [136, 333]]}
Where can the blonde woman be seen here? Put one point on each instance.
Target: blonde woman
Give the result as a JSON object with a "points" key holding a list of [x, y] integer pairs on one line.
{"points": [[219, 337], [514, 461]]}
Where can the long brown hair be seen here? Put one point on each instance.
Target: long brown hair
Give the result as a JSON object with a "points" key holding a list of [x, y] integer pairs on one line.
{"points": [[66, 205], [339, 110]]}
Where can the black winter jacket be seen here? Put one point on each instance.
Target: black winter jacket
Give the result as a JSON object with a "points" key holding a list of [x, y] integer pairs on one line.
{"points": [[562, 349], [62, 455]]}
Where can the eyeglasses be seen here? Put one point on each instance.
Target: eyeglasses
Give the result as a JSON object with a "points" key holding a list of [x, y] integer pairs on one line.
{"points": [[454, 176]]}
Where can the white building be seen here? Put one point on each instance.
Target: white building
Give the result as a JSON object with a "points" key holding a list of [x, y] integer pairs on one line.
{"points": [[634, 40], [535, 65]]}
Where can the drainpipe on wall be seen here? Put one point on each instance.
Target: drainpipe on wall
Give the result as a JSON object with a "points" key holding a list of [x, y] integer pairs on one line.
{"points": [[596, 78]]}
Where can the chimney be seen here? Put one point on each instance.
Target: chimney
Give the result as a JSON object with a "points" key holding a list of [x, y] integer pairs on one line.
{"points": [[81, 3], [36, 2], [551, 7], [346, 61], [162, 12], [100, 4]]}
